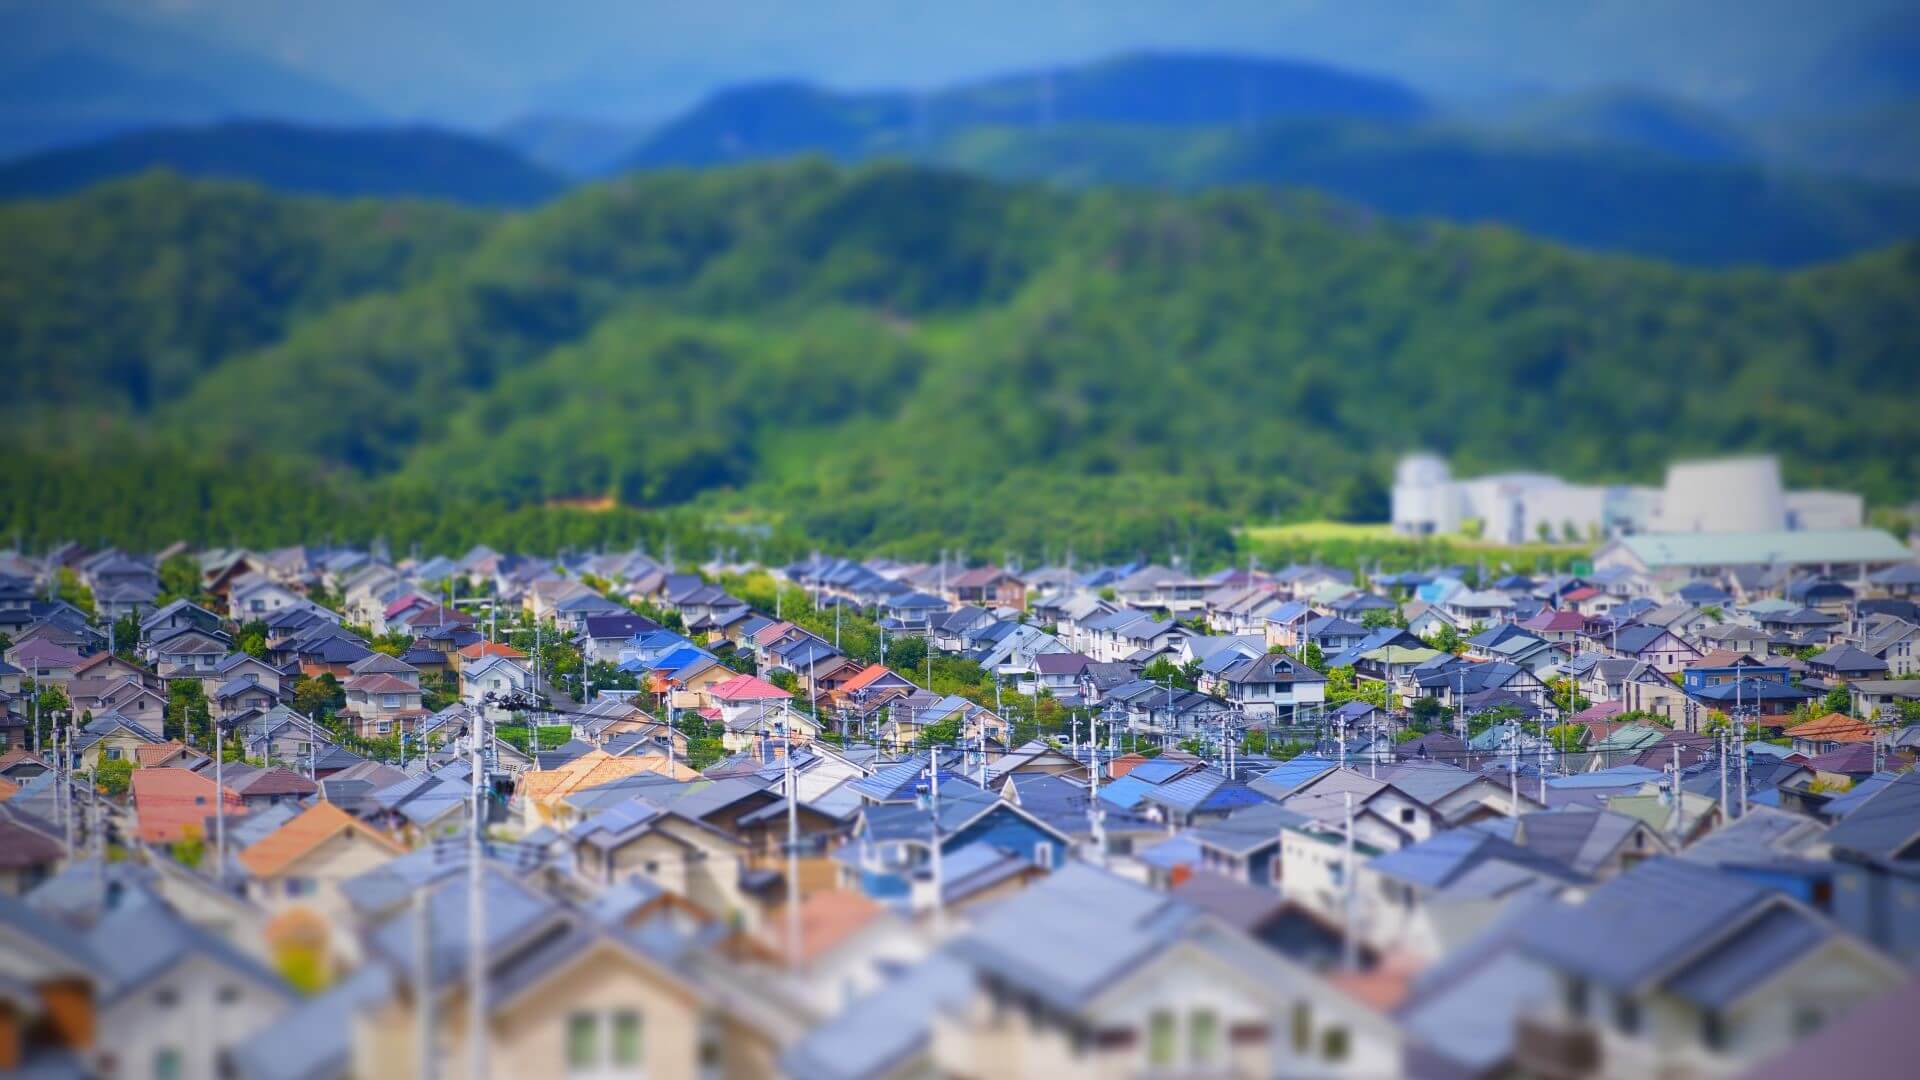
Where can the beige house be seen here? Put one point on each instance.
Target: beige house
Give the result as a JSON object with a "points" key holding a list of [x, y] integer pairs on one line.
{"points": [[297, 869], [681, 855], [587, 1004]]}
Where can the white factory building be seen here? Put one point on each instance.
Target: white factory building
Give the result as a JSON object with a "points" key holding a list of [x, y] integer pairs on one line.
{"points": [[1728, 495]]}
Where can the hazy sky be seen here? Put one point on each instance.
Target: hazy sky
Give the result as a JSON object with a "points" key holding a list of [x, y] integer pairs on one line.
{"points": [[483, 60]]}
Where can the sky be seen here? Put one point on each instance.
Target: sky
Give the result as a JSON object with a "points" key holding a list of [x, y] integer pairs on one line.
{"points": [[481, 61]]}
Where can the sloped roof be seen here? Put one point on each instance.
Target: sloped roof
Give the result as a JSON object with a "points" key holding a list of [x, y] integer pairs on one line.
{"points": [[316, 825], [747, 688]]}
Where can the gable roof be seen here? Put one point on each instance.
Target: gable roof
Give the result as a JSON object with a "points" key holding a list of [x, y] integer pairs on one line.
{"points": [[316, 825]]}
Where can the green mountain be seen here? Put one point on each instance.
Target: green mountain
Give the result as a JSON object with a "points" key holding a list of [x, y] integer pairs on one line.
{"points": [[887, 355], [426, 162]]}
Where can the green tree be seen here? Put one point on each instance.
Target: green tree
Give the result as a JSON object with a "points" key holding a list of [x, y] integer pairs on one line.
{"points": [[252, 639], [187, 716], [1840, 700], [318, 697], [114, 776]]}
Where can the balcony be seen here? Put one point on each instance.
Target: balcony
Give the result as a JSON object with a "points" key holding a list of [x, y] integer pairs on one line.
{"points": [[1555, 1050]]}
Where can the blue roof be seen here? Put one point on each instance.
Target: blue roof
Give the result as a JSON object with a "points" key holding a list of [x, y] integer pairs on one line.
{"points": [[1158, 772], [1283, 778], [1618, 776], [1126, 792]]}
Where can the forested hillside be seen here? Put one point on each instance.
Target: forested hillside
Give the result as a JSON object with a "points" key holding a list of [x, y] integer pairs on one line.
{"points": [[882, 355]]}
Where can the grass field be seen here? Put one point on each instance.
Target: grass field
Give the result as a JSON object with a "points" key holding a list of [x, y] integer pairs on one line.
{"points": [[1348, 537]]}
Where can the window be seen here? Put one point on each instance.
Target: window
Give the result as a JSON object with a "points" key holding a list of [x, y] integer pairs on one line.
{"points": [[1334, 1044], [1203, 1037], [228, 995], [1406, 815], [1302, 1027], [626, 1039], [1626, 1014], [1577, 995], [1043, 855], [1160, 1038], [1713, 1030], [166, 1064], [583, 1041]]}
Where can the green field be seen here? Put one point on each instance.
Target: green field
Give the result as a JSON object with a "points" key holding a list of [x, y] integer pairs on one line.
{"points": [[1356, 543]]}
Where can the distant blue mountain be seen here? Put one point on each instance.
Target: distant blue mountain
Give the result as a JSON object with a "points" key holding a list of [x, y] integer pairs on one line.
{"points": [[417, 161], [1160, 89]]}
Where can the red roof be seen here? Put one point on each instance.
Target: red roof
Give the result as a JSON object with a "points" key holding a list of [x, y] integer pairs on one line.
{"points": [[168, 801], [747, 688], [867, 677], [1584, 593], [403, 604], [1549, 619]]}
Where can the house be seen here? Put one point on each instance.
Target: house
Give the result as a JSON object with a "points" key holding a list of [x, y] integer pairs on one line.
{"points": [[175, 998], [989, 587], [188, 653], [604, 637], [1272, 684], [1164, 986], [1845, 663], [383, 696], [50, 1021], [301, 865], [493, 675], [661, 846], [1656, 646], [1432, 897], [172, 804], [1828, 733], [1723, 979], [110, 737], [565, 992]]}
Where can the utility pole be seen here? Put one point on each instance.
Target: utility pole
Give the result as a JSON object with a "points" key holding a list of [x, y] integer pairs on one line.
{"points": [[939, 879], [793, 849], [1348, 949], [423, 980], [1513, 770], [219, 808], [476, 918], [63, 771]]}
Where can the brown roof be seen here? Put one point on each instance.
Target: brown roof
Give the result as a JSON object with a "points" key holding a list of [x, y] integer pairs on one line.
{"points": [[827, 918], [157, 754], [22, 847], [275, 781], [380, 684], [1833, 728], [316, 825], [8, 789]]}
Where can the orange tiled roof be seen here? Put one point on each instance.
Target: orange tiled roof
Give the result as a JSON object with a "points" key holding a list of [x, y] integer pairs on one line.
{"points": [[592, 769], [314, 826], [865, 678], [167, 802], [8, 789], [1833, 728], [490, 648]]}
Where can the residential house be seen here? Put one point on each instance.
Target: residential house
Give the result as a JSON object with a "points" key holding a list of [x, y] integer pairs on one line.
{"points": [[1726, 977], [1272, 685], [383, 696]]}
